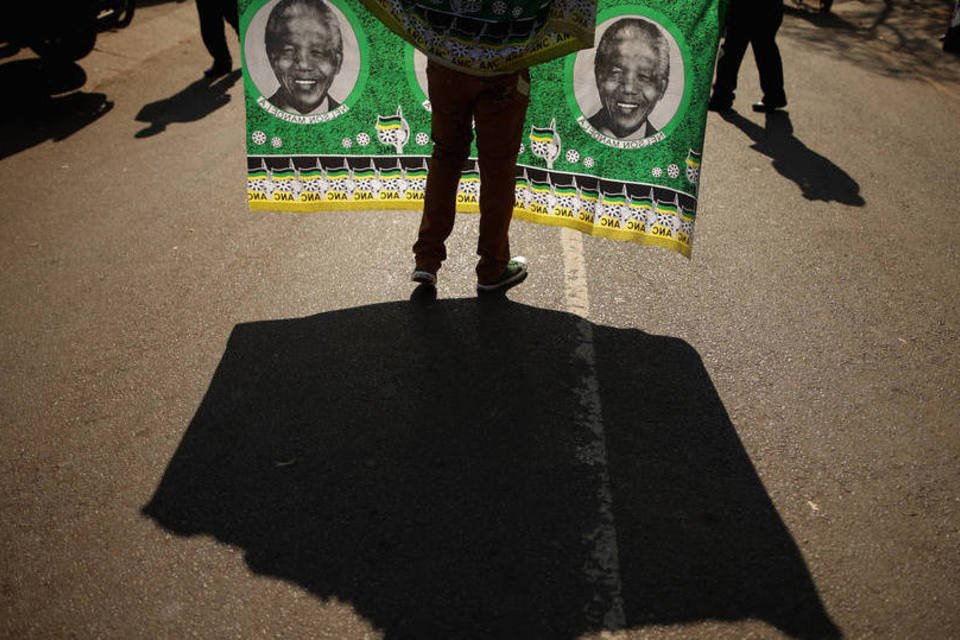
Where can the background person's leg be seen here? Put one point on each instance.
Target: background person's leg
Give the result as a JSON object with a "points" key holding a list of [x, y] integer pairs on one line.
{"points": [[769, 64], [734, 47], [230, 14], [214, 39]]}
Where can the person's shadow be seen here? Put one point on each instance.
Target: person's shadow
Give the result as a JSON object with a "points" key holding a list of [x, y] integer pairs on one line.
{"points": [[817, 177], [196, 101], [435, 466], [44, 102]]}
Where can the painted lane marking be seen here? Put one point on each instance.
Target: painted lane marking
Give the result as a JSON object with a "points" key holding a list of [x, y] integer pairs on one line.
{"points": [[603, 565]]}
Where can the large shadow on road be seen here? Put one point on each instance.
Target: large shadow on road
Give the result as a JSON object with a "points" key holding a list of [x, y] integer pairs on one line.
{"points": [[194, 102], [817, 176], [425, 463], [43, 101]]}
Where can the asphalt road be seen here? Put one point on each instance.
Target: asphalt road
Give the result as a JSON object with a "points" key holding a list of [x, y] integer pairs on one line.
{"points": [[218, 423]]}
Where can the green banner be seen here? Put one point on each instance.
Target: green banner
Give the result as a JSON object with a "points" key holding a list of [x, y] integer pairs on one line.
{"points": [[338, 116], [490, 37]]}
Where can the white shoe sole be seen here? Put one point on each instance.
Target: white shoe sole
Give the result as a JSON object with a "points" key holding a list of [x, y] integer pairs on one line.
{"points": [[424, 277]]}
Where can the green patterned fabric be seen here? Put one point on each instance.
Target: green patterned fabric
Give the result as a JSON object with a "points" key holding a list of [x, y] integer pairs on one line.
{"points": [[338, 116], [490, 36]]}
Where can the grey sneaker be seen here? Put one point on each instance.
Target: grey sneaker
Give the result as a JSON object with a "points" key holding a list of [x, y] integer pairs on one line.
{"points": [[424, 277], [513, 274]]}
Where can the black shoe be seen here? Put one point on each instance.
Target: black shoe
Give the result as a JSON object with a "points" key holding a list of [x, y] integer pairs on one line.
{"points": [[763, 107], [219, 68], [719, 105]]}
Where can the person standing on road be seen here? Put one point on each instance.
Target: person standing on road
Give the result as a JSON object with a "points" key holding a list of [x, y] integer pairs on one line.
{"points": [[754, 23], [212, 15], [498, 106], [485, 87]]}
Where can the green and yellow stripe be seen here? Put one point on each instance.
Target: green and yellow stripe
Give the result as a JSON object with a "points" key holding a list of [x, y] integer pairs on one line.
{"points": [[667, 207], [541, 135], [615, 199], [391, 174], [389, 123]]}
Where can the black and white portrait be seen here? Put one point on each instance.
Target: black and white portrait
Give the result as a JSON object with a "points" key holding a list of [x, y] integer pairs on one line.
{"points": [[631, 84], [302, 55]]}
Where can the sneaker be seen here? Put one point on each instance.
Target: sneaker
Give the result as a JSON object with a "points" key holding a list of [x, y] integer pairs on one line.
{"points": [[514, 273], [424, 277]]}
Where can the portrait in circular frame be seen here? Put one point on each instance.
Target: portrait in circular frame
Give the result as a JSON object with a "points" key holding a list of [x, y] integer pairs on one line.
{"points": [[271, 77], [632, 95]]}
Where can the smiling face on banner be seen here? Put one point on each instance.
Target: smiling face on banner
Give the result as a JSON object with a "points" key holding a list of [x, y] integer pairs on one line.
{"points": [[629, 91], [305, 50], [632, 71]]}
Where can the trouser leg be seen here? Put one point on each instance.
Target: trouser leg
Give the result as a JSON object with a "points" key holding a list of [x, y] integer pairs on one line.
{"points": [[211, 29], [951, 41], [769, 64], [231, 14], [451, 103], [728, 64], [500, 112]]}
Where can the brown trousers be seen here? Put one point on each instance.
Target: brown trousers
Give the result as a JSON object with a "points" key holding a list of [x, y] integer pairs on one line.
{"points": [[497, 105]]}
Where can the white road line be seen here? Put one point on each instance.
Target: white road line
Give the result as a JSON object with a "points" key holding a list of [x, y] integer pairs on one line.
{"points": [[603, 565]]}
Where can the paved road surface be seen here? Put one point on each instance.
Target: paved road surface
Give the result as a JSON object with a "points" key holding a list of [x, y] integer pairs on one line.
{"points": [[218, 423]]}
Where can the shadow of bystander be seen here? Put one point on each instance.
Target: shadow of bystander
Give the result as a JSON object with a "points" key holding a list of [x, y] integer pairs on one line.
{"points": [[817, 177], [198, 100]]}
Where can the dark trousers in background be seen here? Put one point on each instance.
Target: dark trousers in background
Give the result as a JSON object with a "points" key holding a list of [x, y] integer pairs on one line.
{"points": [[951, 41], [756, 24], [498, 106], [212, 14]]}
